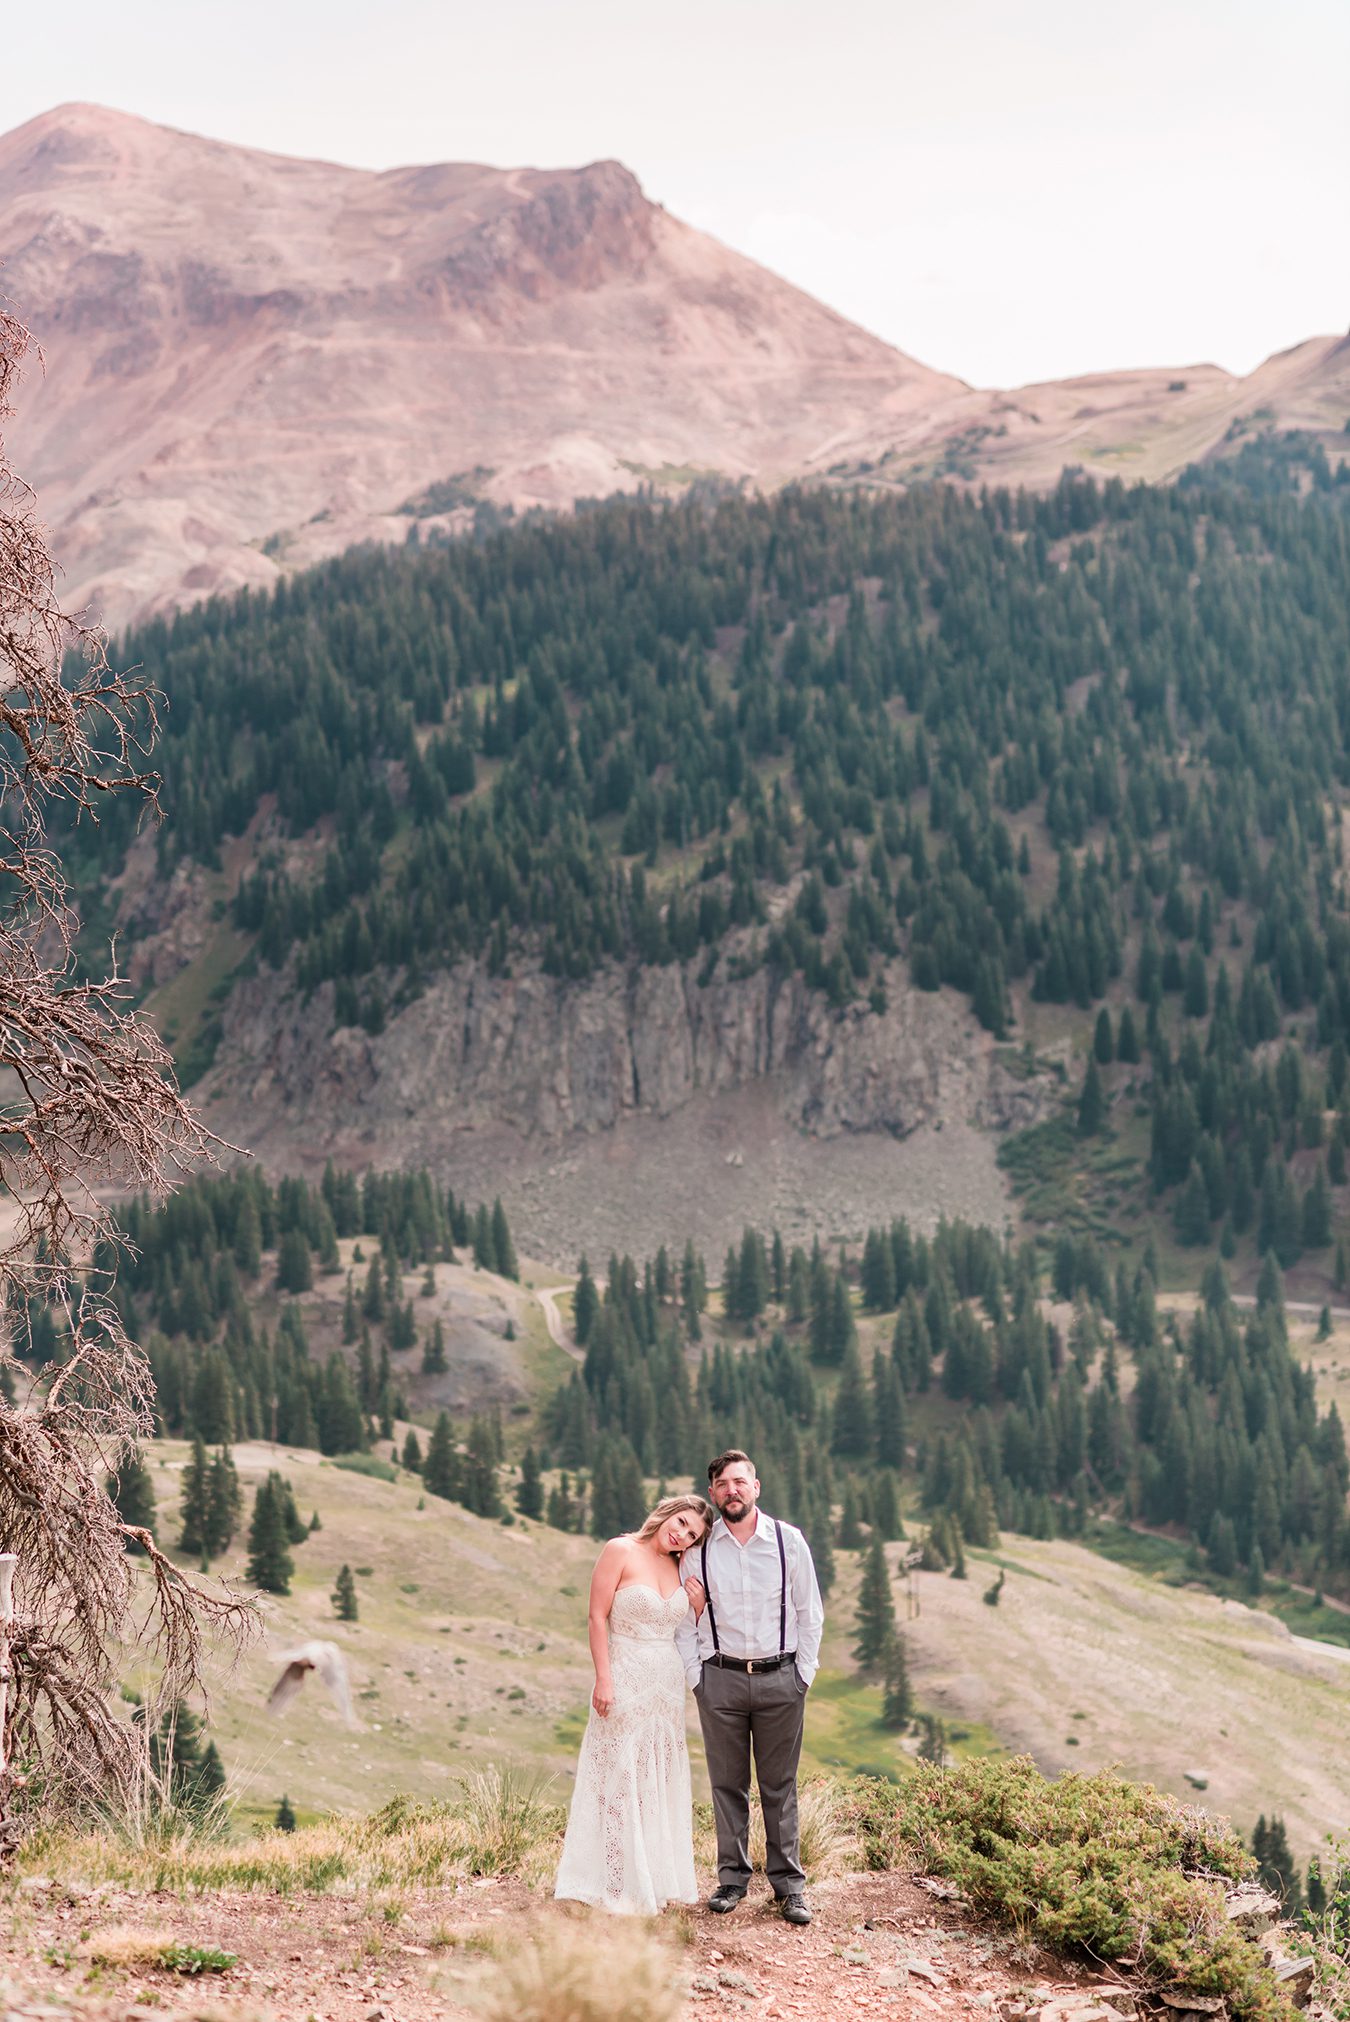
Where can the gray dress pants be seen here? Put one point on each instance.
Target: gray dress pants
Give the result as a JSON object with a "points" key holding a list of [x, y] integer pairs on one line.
{"points": [[764, 1711]]}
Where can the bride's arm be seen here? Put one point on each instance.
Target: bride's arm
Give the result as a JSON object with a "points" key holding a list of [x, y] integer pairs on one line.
{"points": [[604, 1583]]}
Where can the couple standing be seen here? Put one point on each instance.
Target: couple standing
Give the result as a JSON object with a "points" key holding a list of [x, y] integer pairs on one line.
{"points": [[726, 1598]]}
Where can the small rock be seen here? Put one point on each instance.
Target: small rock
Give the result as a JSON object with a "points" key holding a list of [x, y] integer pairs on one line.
{"points": [[1295, 1977], [1252, 1908]]}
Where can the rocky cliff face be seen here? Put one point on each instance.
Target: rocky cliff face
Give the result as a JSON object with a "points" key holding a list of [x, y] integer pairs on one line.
{"points": [[635, 1105], [549, 1059]]}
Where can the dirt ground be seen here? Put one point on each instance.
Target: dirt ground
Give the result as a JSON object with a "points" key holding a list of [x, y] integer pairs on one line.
{"points": [[879, 1944]]}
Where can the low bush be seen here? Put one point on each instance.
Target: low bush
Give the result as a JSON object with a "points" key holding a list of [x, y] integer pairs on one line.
{"points": [[1087, 1864]]}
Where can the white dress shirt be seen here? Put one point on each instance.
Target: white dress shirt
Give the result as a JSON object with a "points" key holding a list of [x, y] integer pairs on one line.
{"points": [[743, 1587]]}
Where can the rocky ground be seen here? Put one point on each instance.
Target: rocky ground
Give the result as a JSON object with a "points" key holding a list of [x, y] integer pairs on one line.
{"points": [[880, 1944]]}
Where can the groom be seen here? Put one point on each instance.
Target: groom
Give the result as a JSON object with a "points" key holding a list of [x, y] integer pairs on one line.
{"points": [[750, 1658]]}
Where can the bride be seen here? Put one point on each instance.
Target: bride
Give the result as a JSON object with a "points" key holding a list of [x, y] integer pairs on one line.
{"points": [[630, 1838]]}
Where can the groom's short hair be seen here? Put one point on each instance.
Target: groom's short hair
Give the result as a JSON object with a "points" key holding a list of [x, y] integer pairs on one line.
{"points": [[718, 1467]]}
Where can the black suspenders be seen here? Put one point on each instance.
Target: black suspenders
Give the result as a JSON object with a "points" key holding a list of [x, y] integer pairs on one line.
{"points": [[782, 1590]]}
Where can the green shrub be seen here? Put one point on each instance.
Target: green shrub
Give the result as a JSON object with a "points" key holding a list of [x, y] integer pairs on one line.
{"points": [[366, 1463], [1086, 1863]]}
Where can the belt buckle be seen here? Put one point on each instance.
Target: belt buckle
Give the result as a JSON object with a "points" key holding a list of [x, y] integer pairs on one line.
{"points": [[749, 1665]]}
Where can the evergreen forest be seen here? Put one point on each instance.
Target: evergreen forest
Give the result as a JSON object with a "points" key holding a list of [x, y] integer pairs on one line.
{"points": [[1087, 750]]}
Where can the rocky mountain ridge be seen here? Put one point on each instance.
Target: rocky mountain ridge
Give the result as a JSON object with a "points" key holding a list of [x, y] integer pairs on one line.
{"points": [[252, 362]]}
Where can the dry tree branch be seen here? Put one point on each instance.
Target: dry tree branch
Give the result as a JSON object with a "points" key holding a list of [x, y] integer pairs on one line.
{"points": [[88, 1103]]}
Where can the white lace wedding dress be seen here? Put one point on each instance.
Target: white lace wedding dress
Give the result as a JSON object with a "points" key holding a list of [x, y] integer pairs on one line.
{"points": [[630, 1834]]}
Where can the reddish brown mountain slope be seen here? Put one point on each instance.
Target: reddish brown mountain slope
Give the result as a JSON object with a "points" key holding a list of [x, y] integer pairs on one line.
{"points": [[253, 361], [244, 349]]}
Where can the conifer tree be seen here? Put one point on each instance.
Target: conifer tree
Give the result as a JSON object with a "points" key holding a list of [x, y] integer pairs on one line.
{"points": [[294, 1272], [585, 1304], [886, 1519], [440, 1472], [285, 1818], [1127, 1039], [133, 1495], [897, 1700], [561, 1509], [224, 1503], [874, 1628], [412, 1453], [270, 1564], [819, 1535], [344, 1596], [853, 1428], [433, 1351], [850, 1526], [888, 1412], [1092, 1102], [530, 1488], [1103, 1040], [1275, 1862], [503, 1249], [484, 1249], [195, 1506]]}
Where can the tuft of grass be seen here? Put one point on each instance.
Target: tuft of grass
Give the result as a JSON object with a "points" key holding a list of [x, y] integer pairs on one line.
{"points": [[508, 1818], [1082, 1864], [128, 1945], [576, 1970], [502, 1825]]}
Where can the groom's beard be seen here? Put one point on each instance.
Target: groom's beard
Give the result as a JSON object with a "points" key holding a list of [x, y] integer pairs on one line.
{"points": [[734, 1509]]}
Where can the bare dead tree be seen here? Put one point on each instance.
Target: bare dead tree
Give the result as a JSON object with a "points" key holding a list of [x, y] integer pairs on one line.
{"points": [[88, 1105]]}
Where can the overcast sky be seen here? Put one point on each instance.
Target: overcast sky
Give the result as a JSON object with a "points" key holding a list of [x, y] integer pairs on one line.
{"points": [[1006, 189]]}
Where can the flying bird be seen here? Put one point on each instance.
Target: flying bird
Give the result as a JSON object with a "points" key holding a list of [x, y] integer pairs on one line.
{"points": [[329, 1666]]}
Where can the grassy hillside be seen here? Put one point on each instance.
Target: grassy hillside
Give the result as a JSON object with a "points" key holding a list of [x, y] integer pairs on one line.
{"points": [[470, 1650]]}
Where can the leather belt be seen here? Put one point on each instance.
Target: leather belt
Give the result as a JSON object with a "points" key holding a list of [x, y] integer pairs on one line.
{"points": [[755, 1664]]}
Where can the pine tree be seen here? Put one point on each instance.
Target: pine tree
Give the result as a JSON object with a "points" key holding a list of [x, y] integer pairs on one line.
{"points": [[1127, 1039], [853, 1429], [433, 1351], [530, 1488], [269, 1560], [344, 1596], [561, 1508], [294, 1272], [133, 1496], [886, 1519], [195, 1506], [503, 1248], [224, 1503], [1275, 1862], [897, 1700], [850, 1525], [1092, 1102], [888, 1412], [285, 1818], [874, 1628], [585, 1305], [350, 1328], [412, 1453], [1103, 1040], [440, 1472]]}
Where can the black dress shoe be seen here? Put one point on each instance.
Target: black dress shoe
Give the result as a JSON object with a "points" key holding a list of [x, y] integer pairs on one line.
{"points": [[725, 1898], [794, 1909]]}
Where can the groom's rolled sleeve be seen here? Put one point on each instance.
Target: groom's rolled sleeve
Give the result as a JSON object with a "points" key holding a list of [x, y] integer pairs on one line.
{"points": [[686, 1642], [810, 1611]]}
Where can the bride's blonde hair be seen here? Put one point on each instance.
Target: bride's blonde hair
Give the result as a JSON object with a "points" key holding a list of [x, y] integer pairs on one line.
{"points": [[671, 1505]]}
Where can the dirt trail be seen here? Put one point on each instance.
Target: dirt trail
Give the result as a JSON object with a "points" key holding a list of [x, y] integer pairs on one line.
{"points": [[880, 1944], [553, 1320]]}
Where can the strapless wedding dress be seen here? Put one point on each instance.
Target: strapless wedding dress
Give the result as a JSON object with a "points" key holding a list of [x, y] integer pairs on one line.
{"points": [[630, 1843]]}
